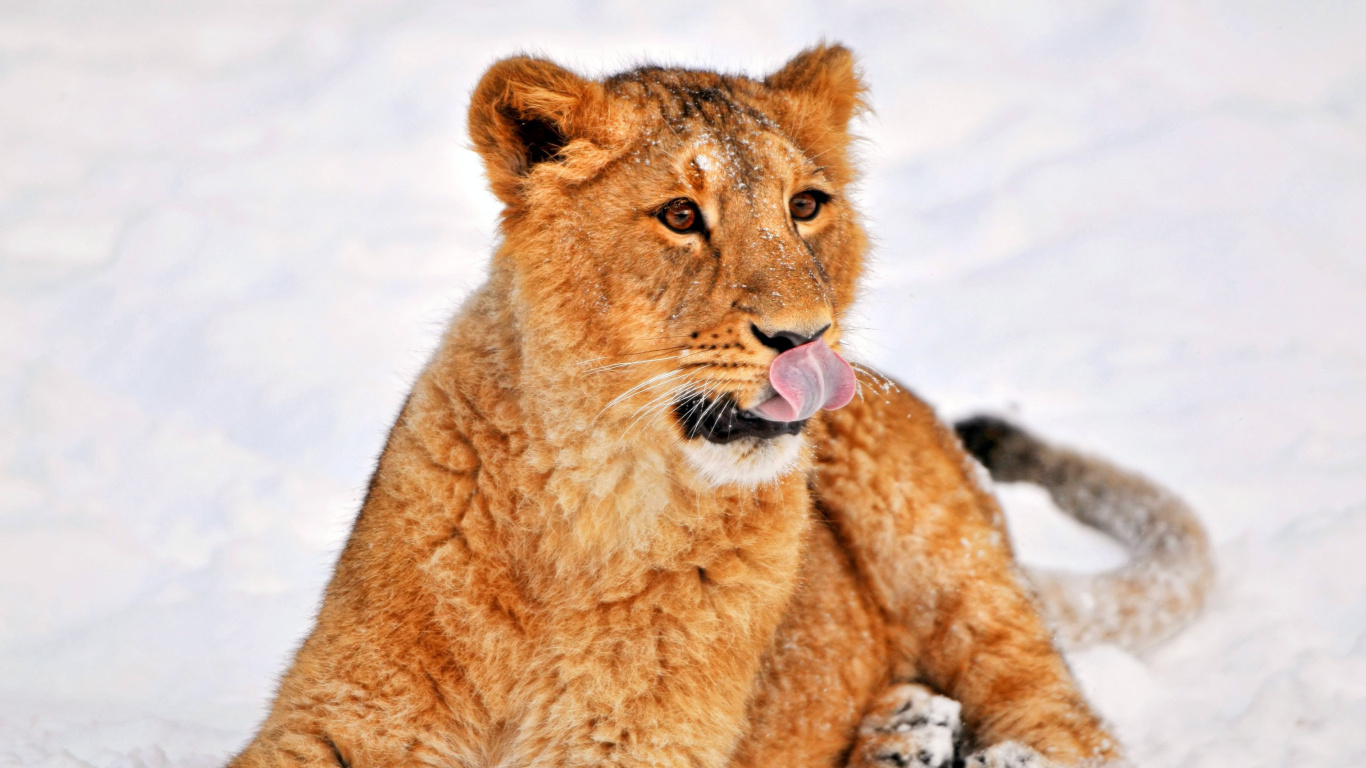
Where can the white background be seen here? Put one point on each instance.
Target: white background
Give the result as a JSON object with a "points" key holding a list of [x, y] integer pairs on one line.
{"points": [[230, 233]]}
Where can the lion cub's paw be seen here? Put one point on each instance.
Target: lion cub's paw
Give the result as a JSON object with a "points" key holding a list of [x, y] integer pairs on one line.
{"points": [[1008, 754], [909, 726]]}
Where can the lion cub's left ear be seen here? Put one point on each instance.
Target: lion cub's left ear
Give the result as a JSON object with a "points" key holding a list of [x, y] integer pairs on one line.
{"points": [[821, 92], [526, 112]]}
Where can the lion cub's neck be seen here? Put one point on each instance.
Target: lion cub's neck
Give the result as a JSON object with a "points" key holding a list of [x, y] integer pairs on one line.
{"points": [[576, 488]]}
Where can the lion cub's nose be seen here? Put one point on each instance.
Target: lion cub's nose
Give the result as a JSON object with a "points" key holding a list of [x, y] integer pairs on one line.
{"points": [[785, 340]]}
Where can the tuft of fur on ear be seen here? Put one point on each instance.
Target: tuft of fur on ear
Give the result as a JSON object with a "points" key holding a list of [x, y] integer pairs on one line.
{"points": [[822, 92], [526, 112]]}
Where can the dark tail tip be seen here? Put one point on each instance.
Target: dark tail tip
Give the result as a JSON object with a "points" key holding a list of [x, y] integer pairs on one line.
{"points": [[1008, 452]]}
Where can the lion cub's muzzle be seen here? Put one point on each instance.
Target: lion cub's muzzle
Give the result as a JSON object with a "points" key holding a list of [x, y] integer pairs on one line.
{"points": [[805, 379]]}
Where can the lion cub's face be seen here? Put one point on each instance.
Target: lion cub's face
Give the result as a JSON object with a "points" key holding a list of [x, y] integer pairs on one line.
{"points": [[671, 233]]}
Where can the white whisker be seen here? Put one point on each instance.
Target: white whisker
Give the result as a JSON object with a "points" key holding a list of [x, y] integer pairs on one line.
{"points": [[659, 405], [654, 381], [614, 366]]}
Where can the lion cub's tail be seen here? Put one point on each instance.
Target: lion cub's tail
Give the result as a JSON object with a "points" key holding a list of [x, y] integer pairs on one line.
{"points": [[1162, 587]]}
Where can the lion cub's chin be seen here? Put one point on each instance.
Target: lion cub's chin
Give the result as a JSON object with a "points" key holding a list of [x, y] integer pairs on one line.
{"points": [[748, 461]]}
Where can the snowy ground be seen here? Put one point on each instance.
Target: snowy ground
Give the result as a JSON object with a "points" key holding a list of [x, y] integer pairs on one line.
{"points": [[230, 232]]}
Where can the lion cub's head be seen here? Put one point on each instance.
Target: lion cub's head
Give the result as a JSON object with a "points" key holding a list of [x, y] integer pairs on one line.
{"points": [[668, 234]]}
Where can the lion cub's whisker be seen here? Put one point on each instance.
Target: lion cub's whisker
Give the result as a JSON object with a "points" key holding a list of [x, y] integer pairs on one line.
{"points": [[675, 348], [659, 405], [654, 381], [650, 383], [713, 404], [615, 366], [708, 389], [662, 397], [877, 379]]}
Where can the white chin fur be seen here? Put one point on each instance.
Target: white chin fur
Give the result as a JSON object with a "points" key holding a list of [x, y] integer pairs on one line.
{"points": [[748, 461]]}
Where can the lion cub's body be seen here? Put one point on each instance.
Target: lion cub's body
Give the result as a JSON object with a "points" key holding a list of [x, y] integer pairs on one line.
{"points": [[527, 637], [546, 572]]}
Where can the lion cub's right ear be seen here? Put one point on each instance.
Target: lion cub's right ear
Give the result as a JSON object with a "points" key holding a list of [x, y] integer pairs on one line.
{"points": [[527, 111]]}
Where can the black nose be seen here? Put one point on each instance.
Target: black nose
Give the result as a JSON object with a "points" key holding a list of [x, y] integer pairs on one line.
{"points": [[785, 340]]}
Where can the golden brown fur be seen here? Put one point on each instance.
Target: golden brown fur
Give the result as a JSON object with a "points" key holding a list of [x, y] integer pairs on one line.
{"points": [[546, 572]]}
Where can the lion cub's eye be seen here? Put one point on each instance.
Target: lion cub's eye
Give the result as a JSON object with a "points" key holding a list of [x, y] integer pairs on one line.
{"points": [[681, 215], [805, 205]]}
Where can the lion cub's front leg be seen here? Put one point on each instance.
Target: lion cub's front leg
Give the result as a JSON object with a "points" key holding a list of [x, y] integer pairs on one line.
{"points": [[933, 550]]}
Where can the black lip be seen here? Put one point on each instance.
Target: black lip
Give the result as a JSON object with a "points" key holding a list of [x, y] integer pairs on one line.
{"points": [[722, 421]]}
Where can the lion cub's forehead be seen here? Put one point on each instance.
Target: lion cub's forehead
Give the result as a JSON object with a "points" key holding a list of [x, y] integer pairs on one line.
{"points": [[744, 157], [762, 169], [716, 122], [682, 94]]}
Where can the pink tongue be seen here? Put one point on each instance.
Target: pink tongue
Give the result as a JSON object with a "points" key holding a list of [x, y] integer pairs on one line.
{"points": [[807, 378]]}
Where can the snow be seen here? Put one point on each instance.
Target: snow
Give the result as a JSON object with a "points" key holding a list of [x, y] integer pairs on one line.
{"points": [[231, 232]]}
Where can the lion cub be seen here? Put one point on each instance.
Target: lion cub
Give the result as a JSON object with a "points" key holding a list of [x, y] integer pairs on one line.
{"points": [[635, 512]]}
